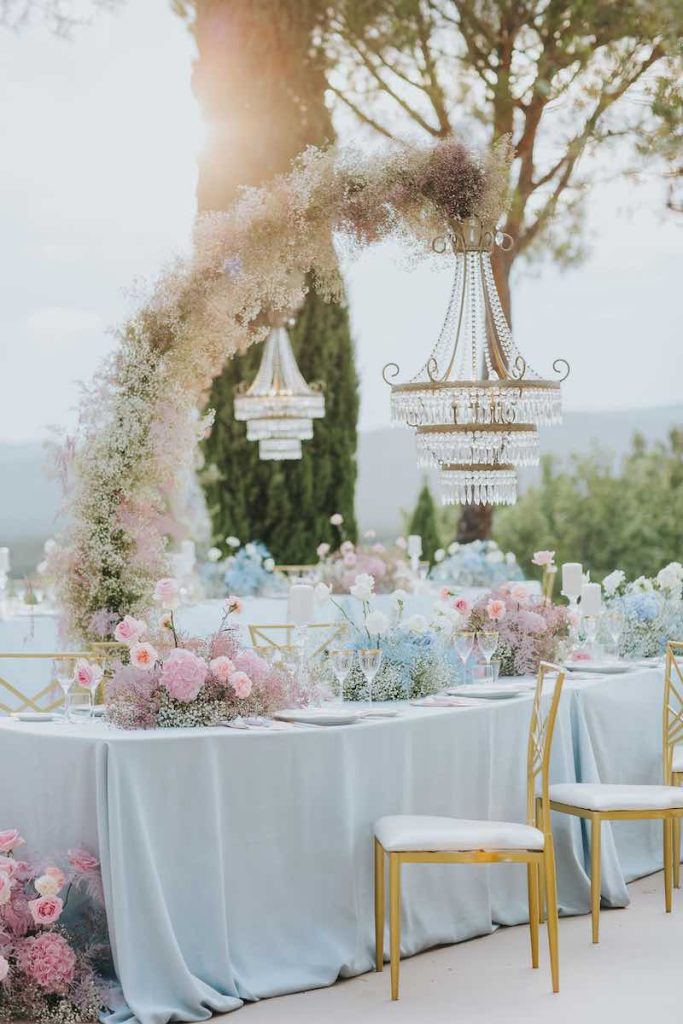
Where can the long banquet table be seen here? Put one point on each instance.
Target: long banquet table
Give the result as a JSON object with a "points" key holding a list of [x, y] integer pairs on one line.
{"points": [[238, 865]]}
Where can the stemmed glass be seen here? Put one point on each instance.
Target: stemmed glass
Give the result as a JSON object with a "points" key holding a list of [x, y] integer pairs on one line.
{"points": [[341, 662], [64, 673], [614, 620], [370, 659], [488, 642], [464, 645]]}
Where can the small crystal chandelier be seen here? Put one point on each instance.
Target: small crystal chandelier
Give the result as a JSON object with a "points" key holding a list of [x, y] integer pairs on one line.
{"points": [[476, 405], [279, 406]]}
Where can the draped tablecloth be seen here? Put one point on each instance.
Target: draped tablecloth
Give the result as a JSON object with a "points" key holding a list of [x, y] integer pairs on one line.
{"points": [[238, 865]]}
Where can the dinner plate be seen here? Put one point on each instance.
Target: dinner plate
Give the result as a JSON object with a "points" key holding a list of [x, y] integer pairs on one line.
{"points": [[315, 716], [601, 668], [489, 691], [34, 716]]}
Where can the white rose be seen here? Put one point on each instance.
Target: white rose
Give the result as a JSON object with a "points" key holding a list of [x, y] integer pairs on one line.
{"points": [[41, 568], [613, 581], [417, 624], [269, 564], [214, 554], [322, 550], [642, 584], [370, 534], [337, 519], [232, 542], [46, 885], [399, 596], [439, 555], [376, 622], [322, 592], [50, 545], [452, 548], [363, 586]]}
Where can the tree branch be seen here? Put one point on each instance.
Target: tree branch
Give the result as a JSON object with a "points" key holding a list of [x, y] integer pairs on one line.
{"points": [[365, 118]]}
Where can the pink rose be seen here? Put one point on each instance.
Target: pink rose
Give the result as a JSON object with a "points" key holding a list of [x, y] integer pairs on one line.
{"points": [[221, 667], [322, 550], [48, 960], [463, 606], [543, 558], [167, 593], [183, 674], [444, 593], [496, 609], [10, 839], [4, 968], [83, 861], [519, 593], [6, 884], [87, 674], [143, 656], [129, 630], [8, 865], [241, 684], [46, 909], [234, 604]]}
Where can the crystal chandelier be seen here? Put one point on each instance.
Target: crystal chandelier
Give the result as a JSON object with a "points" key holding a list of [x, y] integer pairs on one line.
{"points": [[476, 405], [279, 406]]}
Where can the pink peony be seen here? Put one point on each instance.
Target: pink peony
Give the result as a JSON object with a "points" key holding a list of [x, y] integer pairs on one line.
{"points": [[49, 961], [543, 558], [129, 630], [10, 839], [87, 674], [167, 593], [83, 861], [463, 606], [183, 674], [241, 684], [234, 604], [221, 667], [6, 884], [496, 609], [4, 968], [46, 909], [143, 656]]}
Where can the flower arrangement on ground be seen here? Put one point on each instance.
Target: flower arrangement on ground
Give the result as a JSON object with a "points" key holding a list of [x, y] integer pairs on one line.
{"points": [[652, 609], [47, 953], [387, 564], [480, 563], [171, 680], [248, 570]]}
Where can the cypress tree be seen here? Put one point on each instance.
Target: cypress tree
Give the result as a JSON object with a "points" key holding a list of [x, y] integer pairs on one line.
{"points": [[423, 522]]}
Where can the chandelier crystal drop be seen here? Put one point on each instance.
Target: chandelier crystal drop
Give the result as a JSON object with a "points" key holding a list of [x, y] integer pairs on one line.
{"points": [[476, 405], [279, 406]]}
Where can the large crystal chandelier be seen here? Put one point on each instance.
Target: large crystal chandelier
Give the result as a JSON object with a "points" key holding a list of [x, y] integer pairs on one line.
{"points": [[279, 406], [476, 405]]}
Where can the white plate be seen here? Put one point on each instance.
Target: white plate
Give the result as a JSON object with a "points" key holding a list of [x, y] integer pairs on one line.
{"points": [[322, 716], [489, 691], [601, 668], [34, 716]]}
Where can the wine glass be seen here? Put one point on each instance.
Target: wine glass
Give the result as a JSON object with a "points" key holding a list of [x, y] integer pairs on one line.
{"points": [[64, 673], [464, 645], [614, 621], [341, 662], [370, 660], [488, 642]]}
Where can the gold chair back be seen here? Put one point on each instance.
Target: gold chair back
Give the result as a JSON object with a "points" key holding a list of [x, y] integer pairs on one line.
{"points": [[324, 634], [47, 699], [672, 731], [292, 571], [541, 729]]}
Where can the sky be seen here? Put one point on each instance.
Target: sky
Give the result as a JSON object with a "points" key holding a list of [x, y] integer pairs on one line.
{"points": [[100, 135]]}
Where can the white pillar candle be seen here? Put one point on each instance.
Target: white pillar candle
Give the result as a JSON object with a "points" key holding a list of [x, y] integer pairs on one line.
{"points": [[301, 604], [4, 559], [414, 545], [591, 599], [572, 579]]}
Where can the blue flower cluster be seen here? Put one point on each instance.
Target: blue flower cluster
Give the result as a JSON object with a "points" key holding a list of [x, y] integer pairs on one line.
{"points": [[479, 564], [413, 665]]}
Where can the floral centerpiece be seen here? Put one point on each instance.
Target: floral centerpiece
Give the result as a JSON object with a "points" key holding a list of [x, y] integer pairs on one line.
{"points": [[172, 680], [652, 608], [387, 564], [480, 563], [47, 953], [248, 570]]}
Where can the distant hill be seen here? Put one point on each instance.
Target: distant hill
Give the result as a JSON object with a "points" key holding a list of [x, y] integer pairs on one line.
{"points": [[388, 477]]}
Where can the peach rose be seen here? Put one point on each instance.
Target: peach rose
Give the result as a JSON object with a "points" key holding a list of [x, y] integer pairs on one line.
{"points": [[10, 839], [82, 860], [46, 909], [143, 656], [129, 630], [241, 684], [47, 885], [221, 667], [496, 609], [234, 604]]}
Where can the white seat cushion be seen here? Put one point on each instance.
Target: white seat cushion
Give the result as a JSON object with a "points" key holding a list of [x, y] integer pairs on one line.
{"points": [[596, 796], [406, 832], [678, 759]]}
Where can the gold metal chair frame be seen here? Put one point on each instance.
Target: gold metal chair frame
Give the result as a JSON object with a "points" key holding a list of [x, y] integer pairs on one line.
{"points": [[34, 703], [260, 637], [540, 863], [672, 732], [670, 817], [295, 570]]}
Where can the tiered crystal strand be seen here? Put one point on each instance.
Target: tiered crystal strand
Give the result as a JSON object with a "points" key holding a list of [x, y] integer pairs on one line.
{"points": [[279, 406], [476, 405]]}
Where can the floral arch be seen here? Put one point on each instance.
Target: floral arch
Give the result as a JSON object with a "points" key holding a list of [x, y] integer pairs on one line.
{"points": [[140, 419]]}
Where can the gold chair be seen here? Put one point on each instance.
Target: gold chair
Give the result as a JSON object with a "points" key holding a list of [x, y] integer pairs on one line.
{"points": [[672, 732], [324, 634], [42, 701], [292, 571], [598, 801], [418, 839]]}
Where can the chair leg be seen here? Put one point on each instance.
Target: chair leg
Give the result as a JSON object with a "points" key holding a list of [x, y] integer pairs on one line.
{"points": [[595, 875], [677, 852], [551, 903], [541, 869], [668, 863], [532, 886], [379, 906], [395, 919]]}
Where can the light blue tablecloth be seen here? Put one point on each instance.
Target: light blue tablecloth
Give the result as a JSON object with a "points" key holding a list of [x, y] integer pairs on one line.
{"points": [[239, 865]]}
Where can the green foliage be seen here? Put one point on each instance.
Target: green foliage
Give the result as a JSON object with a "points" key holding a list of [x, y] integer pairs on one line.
{"points": [[424, 523], [601, 514], [287, 505]]}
